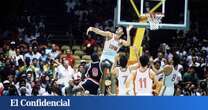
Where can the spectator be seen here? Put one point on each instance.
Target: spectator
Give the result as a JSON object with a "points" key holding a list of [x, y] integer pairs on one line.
{"points": [[6, 84], [54, 52], [64, 74], [36, 54], [12, 52], [29, 54], [18, 57], [190, 75], [161, 59], [89, 43], [22, 84], [43, 56], [70, 57]]}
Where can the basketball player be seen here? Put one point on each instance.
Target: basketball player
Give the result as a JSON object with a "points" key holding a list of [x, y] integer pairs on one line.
{"points": [[111, 46], [143, 79], [121, 73], [155, 66], [94, 74], [113, 42], [170, 76]]}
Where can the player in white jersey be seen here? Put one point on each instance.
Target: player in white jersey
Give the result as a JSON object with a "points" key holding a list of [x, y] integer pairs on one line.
{"points": [[121, 73], [112, 45], [170, 76], [143, 79], [113, 42]]}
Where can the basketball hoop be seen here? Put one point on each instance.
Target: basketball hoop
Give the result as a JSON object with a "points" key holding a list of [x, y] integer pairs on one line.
{"points": [[154, 20]]}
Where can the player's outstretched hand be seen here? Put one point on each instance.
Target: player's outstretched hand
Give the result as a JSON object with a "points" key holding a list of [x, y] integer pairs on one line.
{"points": [[136, 50], [151, 60], [128, 29], [88, 30]]}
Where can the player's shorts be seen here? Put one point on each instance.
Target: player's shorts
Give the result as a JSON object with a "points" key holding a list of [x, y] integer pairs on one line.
{"points": [[167, 91], [109, 55], [107, 63], [91, 86]]}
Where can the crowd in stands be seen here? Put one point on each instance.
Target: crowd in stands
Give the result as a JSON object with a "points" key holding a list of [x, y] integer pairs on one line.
{"points": [[32, 66], [84, 13]]}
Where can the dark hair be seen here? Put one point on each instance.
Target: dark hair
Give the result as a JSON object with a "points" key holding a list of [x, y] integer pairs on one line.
{"points": [[157, 62], [120, 27], [94, 57], [34, 59], [21, 63], [123, 61], [27, 60], [144, 60], [13, 91], [176, 60], [123, 28], [22, 82], [35, 91], [203, 84]]}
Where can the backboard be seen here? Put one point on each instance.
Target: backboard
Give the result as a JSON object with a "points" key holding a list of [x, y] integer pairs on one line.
{"points": [[176, 13]]}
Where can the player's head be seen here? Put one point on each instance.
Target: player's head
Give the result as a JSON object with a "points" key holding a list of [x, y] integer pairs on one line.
{"points": [[123, 61], [94, 57], [160, 55], [144, 60], [120, 31], [157, 64]]}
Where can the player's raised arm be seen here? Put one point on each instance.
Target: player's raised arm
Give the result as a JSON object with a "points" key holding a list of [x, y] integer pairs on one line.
{"points": [[100, 32], [153, 76], [136, 50], [154, 79], [128, 82], [153, 66], [133, 67], [128, 41]]}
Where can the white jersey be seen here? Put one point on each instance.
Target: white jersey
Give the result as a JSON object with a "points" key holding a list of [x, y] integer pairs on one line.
{"points": [[168, 84], [122, 77], [110, 49], [143, 83]]}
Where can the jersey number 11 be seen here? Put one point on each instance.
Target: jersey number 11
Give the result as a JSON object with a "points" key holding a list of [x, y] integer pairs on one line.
{"points": [[143, 82]]}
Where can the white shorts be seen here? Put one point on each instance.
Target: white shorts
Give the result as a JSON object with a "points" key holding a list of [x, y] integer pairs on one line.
{"points": [[108, 55]]}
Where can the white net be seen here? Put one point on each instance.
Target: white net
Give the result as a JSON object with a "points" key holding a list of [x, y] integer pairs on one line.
{"points": [[154, 20]]}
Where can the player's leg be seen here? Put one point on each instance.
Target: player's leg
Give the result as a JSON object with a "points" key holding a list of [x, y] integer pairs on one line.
{"points": [[106, 66]]}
